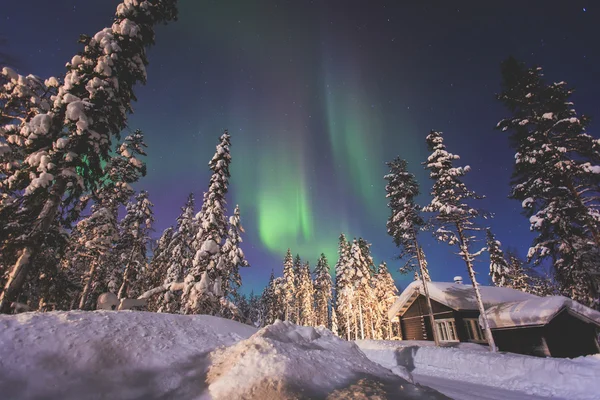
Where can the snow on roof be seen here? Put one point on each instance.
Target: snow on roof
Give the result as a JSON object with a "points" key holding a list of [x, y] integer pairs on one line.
{"points": [[458, 296], [536, 311]]}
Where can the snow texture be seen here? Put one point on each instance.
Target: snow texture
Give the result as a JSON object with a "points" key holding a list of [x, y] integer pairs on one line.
{"points": [[537, 311], [573, 379], [140, 355], [459, 296]]}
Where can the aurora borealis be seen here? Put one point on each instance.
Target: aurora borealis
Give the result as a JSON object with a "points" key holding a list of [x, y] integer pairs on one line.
{"points": [[318, 95]]}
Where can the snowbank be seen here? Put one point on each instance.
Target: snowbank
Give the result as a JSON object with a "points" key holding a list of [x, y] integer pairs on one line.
{"points": [[311, 361], [139, 355], [577, 379], [112, 355]]}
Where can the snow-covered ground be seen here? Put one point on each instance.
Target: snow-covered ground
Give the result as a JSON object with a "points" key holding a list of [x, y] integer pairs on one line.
{"points": [[139, 355], [469, 371]]}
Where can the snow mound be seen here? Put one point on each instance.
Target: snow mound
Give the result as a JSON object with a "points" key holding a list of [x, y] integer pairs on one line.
{"points": [[297, 362], [574, 379], [81, 355], [127, 355]]}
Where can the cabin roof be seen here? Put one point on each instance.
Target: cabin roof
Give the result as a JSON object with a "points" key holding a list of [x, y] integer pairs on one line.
{"points": [[456, 296], [537, 311]]}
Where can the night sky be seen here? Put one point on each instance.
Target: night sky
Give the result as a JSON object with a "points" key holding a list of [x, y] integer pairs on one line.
{"points": [[317, 96]]}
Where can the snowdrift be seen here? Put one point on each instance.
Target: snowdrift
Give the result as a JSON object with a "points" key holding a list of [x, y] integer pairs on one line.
{"points": [[140, 355], [305, 361], [574, 379]]}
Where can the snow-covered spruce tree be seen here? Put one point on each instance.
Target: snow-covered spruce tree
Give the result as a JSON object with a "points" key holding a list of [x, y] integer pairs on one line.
{"points": [[405, 222], [556, 176], [268, 299], [323, 287], [386, 293], [289, 277], [279, 301], [211, 234], [234, 256], [102, 272], [344, 290], [179, 257], [255, 312], [158, 266], [453, 216], [499, 267], [131, 249], [362, 296], [334, 322], [306, 296], [522, 277], [99, 232], [89, 109]]}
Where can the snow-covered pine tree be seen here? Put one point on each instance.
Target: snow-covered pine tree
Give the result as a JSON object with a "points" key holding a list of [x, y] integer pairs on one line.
{"points": [[179, 256], [405, 222], [520, 276], [306, 296], [344, 291], [158, 266], [89, 109], [99, 232], [255, 310], [268, 300], [556, 176], [334, 322], [323, 287], [211, 234], [132, 246], [499, 267], [279, 298], [386, 293], [289, 277], [453, 216], [122, 169], [234, 255], [362, 294]]}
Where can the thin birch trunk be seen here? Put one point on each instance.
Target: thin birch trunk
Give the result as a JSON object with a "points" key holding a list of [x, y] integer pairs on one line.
{"points": [[467, 257]]}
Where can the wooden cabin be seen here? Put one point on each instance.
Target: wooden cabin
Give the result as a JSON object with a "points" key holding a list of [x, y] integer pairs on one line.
{"points": [[520, 322]]}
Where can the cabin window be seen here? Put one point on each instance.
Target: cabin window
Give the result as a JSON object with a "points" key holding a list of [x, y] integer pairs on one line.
{"points": [[474, 332], [446, 329]]}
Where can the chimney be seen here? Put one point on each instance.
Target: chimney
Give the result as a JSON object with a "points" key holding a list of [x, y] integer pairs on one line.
{"points": [[458, 280]]}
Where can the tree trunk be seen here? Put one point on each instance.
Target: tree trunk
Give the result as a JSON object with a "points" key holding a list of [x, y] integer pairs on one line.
{"points": [[88, 285], [20, 270], [467, 257], [360, 315], [426, 290], [122, 289]]}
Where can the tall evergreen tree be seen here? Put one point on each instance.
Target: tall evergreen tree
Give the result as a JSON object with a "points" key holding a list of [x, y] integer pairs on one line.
{"points": [[498, 265], [89, 109], [180, 254], [233, 254], [386, 293], [404, 223], [159, 265], [268, 301], [344, 291], [453, 215], [132, 246], [289, 277], [556, 176], [211, 233], [323, 294], [306, 296]]}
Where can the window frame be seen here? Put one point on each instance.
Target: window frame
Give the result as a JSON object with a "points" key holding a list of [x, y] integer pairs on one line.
{"points": [[469, 323], [449, 325]]}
